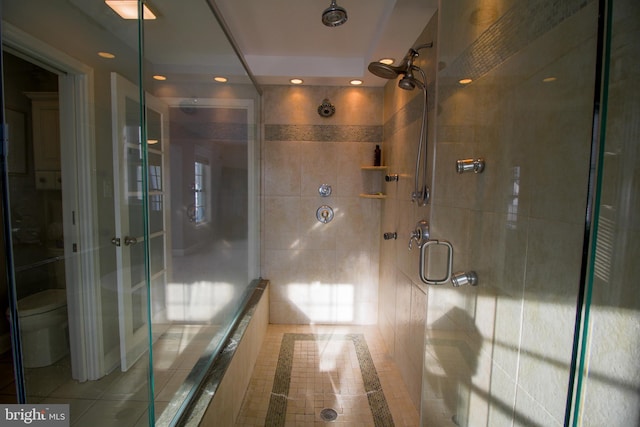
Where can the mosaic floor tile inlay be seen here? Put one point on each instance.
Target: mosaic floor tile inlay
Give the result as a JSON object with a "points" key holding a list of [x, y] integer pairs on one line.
{"points": [[325, 345]]}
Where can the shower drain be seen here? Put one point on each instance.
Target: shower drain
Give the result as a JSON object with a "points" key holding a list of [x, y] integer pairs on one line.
{"points": [[328, 414]]}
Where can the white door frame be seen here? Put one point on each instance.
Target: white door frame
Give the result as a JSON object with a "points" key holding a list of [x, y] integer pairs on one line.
{"points": [[79, 198], [133, 344]]}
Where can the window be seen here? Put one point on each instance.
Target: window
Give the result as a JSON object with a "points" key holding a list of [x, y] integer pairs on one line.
{"points": [[200, 211]]}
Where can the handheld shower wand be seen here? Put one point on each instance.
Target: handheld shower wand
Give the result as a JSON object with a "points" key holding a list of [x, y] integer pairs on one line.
{"points": [[420, 193], [406, 68]]}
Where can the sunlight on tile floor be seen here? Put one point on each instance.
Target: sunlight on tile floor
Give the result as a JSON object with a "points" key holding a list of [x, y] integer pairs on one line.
{"points": [[302, 370]]}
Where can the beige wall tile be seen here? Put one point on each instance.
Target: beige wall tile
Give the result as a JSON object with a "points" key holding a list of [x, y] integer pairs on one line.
{"points": [[321, 272]]}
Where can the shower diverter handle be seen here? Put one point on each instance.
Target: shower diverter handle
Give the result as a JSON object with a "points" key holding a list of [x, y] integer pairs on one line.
{"points": [[421, 236]]}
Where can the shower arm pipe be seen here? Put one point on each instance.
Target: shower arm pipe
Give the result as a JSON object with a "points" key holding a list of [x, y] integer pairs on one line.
{"points": [[413, 52], [422, 46]]}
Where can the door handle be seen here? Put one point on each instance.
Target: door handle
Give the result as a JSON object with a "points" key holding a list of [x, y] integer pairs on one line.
{"points": [[115, 241], [130, 241]]}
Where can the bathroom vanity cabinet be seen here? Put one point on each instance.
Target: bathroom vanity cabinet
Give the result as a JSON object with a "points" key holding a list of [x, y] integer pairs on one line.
{"points": [[45, 118]]}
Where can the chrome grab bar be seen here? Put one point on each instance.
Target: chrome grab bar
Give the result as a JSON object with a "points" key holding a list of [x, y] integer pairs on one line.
{"points": [[421, 236], [423, 249]]}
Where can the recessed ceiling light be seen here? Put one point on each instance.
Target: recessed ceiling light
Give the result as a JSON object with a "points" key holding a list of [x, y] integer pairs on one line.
{"points": [[465, 81], [106, 55], [160, 77], [387, 61], [220, 79], [296, 81], [356, 82], [128, 9]]}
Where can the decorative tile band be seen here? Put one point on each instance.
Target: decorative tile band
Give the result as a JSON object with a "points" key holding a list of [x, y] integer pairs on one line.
{"points": [[280, 391], [516, 29], [323, 133]]}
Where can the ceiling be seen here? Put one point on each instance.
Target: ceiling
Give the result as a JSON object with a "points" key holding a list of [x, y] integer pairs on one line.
{"points": [[281, 39]]}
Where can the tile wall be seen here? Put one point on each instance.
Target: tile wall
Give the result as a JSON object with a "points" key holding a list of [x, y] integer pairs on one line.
{"points": [[403, 296], [501, 352], [498, 353], [321, 273]]}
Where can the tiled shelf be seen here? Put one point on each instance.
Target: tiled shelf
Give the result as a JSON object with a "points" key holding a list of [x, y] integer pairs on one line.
{"points": [[373, 196], [377, 195]]}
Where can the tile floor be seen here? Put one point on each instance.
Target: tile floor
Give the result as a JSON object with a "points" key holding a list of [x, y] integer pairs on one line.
{"points": [[302, 370], [119, 399]]}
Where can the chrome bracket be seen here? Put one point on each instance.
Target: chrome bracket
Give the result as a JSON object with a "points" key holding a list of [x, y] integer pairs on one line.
{"points": [[470, 165]]}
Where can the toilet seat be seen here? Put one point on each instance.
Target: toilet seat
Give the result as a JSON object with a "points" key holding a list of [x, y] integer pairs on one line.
{"points": [[42, 302]]}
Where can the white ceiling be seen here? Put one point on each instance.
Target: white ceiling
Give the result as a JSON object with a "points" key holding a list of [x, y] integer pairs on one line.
{"points": [[281, 39]]}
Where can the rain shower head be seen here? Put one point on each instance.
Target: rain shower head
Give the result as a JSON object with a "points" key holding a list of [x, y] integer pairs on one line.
{"points": [[334, 15], [390, 71], [385, 71], [405, 67]]}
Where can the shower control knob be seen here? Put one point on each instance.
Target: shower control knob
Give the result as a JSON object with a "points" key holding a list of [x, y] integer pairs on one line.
{"points": [[420, 234], [324, 190], [324, 214]]}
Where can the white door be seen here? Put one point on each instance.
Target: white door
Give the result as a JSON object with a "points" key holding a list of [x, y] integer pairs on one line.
{"points": [[134, 299]]}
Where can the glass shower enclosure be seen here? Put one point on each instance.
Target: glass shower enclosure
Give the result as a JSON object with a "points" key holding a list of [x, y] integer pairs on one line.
{"points": [[543, 92], [130, 204]]}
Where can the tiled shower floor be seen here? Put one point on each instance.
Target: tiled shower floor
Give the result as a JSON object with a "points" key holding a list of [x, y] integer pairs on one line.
{"points": [[303, 370]]}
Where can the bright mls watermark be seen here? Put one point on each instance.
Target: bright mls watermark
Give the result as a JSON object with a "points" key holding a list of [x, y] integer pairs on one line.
{"points": [[34, 415]]}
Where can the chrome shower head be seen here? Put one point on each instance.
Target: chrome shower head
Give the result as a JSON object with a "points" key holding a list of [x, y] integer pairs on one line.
{"points": [[334, 15], [408, 82]]}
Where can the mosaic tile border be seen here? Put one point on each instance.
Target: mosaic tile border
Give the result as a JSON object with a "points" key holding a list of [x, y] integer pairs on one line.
{"points": [[517, 28], [323, 133], [279, 393]]}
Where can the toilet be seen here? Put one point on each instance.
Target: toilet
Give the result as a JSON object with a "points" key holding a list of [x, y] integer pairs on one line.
{"points": [[44, 327]]}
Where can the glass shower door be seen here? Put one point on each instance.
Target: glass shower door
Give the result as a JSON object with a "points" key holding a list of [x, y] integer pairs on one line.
{"points": [[501, 353], [608, 379]]}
